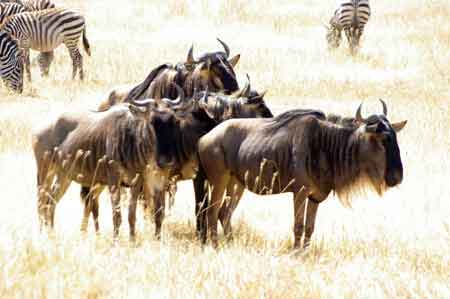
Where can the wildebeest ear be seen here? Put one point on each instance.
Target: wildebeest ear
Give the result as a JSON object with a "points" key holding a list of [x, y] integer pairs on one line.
{"points": [[234, 60], [257, 98], [399, 126]]}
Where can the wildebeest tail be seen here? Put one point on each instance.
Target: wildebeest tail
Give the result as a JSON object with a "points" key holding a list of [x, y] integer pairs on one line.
{"points": [[86, 45], [139, 89]]}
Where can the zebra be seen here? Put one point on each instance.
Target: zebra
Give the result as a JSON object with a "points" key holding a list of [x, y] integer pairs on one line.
{"points": [[9, 9], [32, 5], [45, 30], [44, 58], [350, 16], [11, 62]]}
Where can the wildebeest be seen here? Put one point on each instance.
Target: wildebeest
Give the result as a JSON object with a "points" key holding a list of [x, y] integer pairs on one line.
{"points": [[219, 107], [122, 146], [301, 152], [213, 71]]}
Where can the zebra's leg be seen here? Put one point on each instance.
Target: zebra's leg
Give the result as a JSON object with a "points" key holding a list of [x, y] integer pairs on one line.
{"points": [[26, 53], [77, 60], [45, 60]]}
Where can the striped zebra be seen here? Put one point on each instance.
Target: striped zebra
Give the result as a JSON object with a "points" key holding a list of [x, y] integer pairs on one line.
{"points": [[45, 30], [44, 58], [32, 5], [350, 16], [9, 9], [11, 62]]}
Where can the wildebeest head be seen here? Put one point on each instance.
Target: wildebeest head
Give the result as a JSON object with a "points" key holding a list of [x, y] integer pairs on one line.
{"points": [[11, 63], [215, 69], [246, 103], [380, 152]]}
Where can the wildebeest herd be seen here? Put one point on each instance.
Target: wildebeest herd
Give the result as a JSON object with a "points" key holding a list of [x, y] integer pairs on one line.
{"points": [[191, 121]]}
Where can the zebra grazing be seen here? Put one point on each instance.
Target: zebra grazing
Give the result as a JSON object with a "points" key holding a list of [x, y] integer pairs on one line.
{"points": [[351, 16], [9, 9], [45, 30], [11, 62]]}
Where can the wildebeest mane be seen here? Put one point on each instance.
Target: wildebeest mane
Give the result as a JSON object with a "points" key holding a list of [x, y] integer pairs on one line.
{"points": [[140, 89], [131, 142], [283, 119]]}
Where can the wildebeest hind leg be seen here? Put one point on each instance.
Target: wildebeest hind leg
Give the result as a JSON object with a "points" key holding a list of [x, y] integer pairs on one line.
{"points": [[299, 215], [90, 197], [218, 190], [234, 194], [60, 187]]}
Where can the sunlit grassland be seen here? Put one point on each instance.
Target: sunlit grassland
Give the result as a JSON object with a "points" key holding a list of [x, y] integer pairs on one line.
{"points": [[396, 246]]}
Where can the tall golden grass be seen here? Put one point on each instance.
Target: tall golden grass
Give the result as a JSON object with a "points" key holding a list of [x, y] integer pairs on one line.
{"points": [[394, 247]]}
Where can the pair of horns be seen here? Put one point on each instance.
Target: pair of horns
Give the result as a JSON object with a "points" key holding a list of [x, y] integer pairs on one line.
{"points": [[358, 112], [190, 58], [179, 100]]}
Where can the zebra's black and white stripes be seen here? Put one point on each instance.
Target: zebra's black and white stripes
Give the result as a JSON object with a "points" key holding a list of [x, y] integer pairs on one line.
{"points": [[11, 62], [45, 30], [32, 5], [9, 9], [350, 16]]}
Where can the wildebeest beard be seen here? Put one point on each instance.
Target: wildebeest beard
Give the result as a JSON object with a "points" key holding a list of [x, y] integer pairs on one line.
{"points": [[393, 160]]}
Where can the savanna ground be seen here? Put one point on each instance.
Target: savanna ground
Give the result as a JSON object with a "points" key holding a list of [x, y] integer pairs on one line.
{"points": [[396, 246]]}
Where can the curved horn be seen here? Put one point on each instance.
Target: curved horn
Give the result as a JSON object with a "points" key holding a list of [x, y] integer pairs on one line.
{"points": [[190, 58], [141, 103], [358, 114], [246, 90], [384, 107], [225, 46]]}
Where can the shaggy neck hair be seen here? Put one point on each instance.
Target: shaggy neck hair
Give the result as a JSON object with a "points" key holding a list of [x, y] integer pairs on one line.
{"points": [[132, 142], [335, 160]]}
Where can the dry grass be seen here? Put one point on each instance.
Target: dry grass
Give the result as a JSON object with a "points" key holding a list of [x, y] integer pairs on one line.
{"points": [[391, 247]]}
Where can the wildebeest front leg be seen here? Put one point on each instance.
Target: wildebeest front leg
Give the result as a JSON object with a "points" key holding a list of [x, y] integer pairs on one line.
{"points": [[155, 183], [201, 203], [115, 205], [158, 210], [299, 215], [135, 192], [311, 213]]}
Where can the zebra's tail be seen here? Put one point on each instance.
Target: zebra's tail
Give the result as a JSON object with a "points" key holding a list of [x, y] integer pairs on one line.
{"points": [[86, 45]]}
